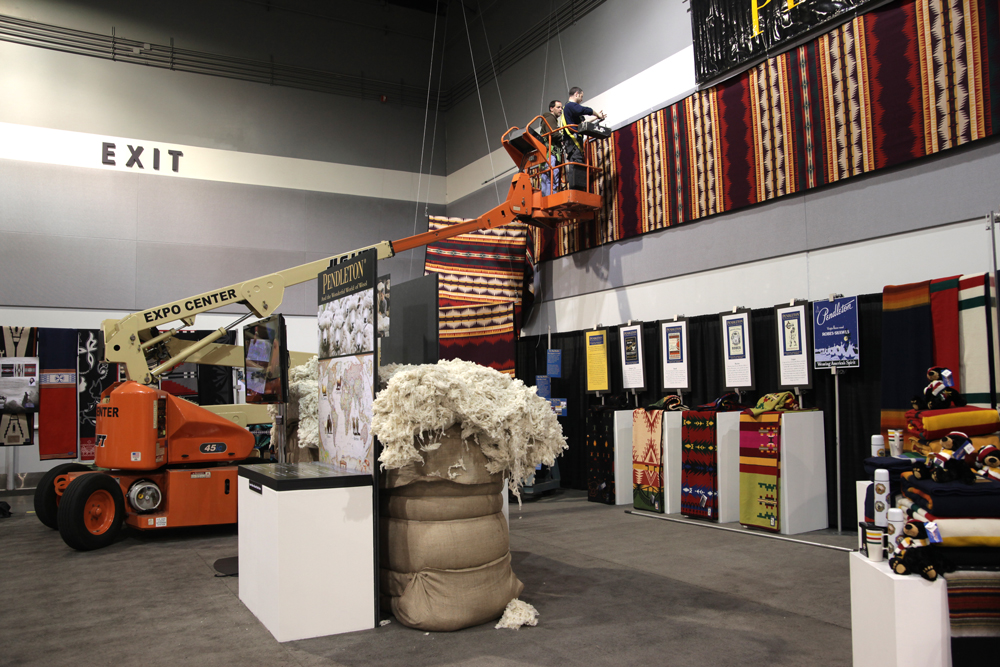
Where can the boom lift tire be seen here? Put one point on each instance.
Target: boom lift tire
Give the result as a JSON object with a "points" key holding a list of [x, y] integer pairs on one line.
{"points": [[46, 499], [92, 512]]}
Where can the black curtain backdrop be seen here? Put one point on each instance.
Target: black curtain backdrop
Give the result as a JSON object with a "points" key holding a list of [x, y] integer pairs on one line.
{"points": [[860, 389]]}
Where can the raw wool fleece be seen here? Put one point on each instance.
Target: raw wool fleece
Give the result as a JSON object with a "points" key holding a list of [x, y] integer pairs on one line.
{"points": [[303, 402], [516, 614], [515, 428]]}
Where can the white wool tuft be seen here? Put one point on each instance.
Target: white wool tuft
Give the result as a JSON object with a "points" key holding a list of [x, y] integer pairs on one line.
{"points": [[516, 614], [515, 428], [303, 398]]}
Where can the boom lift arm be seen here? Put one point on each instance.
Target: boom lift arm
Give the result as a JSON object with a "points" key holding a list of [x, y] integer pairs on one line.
{"points": [[136, 341]]}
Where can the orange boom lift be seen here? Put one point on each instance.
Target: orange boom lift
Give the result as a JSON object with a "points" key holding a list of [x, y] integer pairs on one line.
{"points": [[165, 462]]}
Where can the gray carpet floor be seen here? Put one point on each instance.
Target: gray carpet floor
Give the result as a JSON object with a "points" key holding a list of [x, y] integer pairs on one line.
{"points": [[611, 588]]}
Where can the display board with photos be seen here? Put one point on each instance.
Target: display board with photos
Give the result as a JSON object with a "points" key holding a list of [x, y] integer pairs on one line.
{"points": [[347, 317], [794, 353], [382, 304], [632, 356], [265, 361], [598, 376], [737, 349], [674, 354]]}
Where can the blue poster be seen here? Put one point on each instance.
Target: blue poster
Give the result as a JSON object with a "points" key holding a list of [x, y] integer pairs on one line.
{"points": [[553, 363], [543, 386], [558, 406], [835, 333]]}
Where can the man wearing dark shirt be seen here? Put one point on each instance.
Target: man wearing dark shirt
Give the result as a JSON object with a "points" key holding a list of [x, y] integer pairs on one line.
{"points": [[575, 113], [550, 183]]}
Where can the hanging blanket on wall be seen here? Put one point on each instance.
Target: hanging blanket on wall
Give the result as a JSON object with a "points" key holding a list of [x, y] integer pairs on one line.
{"points": [[897, 83], [647, 460], [600, 447], [57, 416], [93, 376], [699, 461], [485, 267], [760, 470], [18, 429], [974, 603], [483, 334], [907, 349], [944, 315], [977, 331]]}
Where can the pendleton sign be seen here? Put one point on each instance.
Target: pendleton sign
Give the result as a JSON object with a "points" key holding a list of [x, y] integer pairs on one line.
{"points": [[350, 276], [730, 35]]}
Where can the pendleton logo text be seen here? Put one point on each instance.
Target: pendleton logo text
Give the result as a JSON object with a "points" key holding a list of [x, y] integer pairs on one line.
{"points": [[344, 281]]}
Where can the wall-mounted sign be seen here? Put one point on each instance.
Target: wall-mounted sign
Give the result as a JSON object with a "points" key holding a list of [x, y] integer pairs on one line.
{"points": [[633, 358], [553, 363], [835, 333], [794, 369], [737, 356], [730, 35], [112, 154], [597, 361], [674, 353]]}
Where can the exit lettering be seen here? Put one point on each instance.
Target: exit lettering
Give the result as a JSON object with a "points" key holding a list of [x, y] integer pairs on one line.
{"points": [[135, 158]]}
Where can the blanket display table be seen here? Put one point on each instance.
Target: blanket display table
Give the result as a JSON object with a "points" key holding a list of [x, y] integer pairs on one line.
{"points": [[897, 620], [291, 514]]}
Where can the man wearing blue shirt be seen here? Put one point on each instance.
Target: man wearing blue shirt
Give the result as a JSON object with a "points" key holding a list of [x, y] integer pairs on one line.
{"points": [[575, 113]]}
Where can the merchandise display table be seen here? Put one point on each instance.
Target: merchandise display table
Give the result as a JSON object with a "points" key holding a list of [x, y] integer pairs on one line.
{"points": [[897, 620], [671, 458], [623, 457], [306, 547], [803, 473]]}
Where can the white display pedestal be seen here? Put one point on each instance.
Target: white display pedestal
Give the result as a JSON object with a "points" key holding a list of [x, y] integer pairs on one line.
{"points": [[727, 440], [671, 457], [307, 555], [623, 457], [802, 495], [897, 620]]}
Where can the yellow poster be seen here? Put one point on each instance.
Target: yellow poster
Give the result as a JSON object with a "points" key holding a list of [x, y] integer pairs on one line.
{"points": [[597, 361]]}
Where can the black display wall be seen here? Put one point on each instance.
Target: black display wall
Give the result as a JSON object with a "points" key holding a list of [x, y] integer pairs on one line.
{"points": [[860, 389]]}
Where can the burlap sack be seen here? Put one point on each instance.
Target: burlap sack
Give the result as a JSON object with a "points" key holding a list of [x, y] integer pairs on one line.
{"points": [[446, 600], [455, 461], [446, 545], [440, 508], [444, 489]]}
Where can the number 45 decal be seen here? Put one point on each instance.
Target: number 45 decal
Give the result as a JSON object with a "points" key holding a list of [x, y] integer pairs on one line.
{"points": [[101, 439]]}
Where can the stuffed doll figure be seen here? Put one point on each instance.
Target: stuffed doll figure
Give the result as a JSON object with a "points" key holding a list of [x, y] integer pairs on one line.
{"points": [[988, 460], [961, 464], [939, 393]]}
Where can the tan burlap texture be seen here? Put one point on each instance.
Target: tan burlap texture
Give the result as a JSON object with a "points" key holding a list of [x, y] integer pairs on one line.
{"points": [[445, 549]]}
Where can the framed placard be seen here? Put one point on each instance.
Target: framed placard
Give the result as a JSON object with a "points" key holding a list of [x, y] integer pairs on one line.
{"points": [[835, 333], [633, 359], [597, 361], [737, 350], [674, 353], [794, 367]]}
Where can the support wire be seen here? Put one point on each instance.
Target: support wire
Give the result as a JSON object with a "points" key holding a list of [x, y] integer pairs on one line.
{"points": [[482, 111], [423, 138]]}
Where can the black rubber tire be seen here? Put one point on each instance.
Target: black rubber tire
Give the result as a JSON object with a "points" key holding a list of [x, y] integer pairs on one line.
{"points": [[46, 505], [74, 505]]}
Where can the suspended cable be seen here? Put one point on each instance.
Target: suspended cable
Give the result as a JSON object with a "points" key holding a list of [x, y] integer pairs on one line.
{"points": [[562, 56], [437, 112], [489, 52], [423, 138], [482, 111], [545, 68]]}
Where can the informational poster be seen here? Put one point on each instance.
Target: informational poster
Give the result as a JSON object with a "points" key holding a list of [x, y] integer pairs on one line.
{"points": [[737, 356], [553, 363], [558, 406], [835, 333], [19, 388], [633, 359], [382, 305], [543, 386], [794, 369], [597, 361], [674, 353], [348, 306]]}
